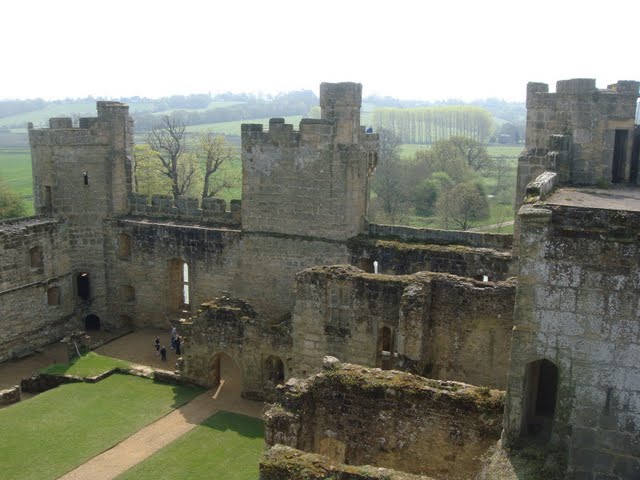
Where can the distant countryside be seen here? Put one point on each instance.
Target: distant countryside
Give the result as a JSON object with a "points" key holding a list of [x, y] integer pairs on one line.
{"points": [[441, 165]]}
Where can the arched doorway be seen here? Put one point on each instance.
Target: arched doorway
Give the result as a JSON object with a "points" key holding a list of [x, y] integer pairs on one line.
{"points": [[223, 367], [92, 322], [541, 388], [274, 370]]}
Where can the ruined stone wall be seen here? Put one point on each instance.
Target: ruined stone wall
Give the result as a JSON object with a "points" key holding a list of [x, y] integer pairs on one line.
{"points": [[361, 416], [576, 309], [438, 325], [36, 288], [313, 182], [572, 131], [435, 236], [403, 258], [232, 327], [258, 268]]}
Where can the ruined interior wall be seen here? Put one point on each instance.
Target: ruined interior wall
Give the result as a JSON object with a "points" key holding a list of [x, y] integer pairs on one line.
{"points": [[576, 306], [401, 258], [26, 319], [357, 416], [469, 331], [443, 326], [281, 462], [256, 267]]}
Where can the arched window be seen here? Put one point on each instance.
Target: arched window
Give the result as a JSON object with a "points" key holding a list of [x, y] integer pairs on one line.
{"points": [[180, 286]]}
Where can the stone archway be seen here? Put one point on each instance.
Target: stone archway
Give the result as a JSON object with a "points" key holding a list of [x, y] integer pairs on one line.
{"points": [[224, 367], [92, 323]]}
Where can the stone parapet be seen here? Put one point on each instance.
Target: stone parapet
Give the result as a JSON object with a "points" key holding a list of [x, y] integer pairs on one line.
{"points": [[211, 210]]}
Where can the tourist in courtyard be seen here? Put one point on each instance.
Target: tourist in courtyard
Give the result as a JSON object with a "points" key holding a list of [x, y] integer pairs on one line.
{"points": [[157, 344], [163, 354], [174, 334], [177, 344]]}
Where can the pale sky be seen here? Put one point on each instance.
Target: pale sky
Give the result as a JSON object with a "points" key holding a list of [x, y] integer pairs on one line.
{"points": [[418, 49]]}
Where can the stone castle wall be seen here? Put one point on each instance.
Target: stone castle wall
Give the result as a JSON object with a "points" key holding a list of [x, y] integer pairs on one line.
{"points": [[437, 324], [359, 416], [36, 286], [577, 311]]}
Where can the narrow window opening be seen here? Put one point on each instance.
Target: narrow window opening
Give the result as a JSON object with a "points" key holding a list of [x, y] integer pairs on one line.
{"points": [[83, 287], [48, 205], [619, 153], [124, 245], [85, 176], [185, 284]]}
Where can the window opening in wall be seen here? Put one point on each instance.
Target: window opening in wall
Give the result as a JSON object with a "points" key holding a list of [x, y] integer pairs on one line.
{"points": [[53, 296], [47, 199], [83, 287], [385, 348], [85, 176], [124, 245], [92, 322], [185, 284], [36, 258], [541, 387], [619, 153], [635, 157]]}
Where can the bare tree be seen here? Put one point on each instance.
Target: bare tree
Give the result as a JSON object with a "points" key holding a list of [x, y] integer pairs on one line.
{"points": [[168, 140], [215, 151]]}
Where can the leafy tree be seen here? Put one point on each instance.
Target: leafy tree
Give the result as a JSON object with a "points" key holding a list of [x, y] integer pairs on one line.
{"points": [[391, 178], [11, 205], [168, 141], [149, 178], [428, 192], [461, 205], [473, 152], [215, 151]]}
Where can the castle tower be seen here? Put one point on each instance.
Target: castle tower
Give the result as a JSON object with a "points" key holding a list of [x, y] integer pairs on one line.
{"points": [[313, 182], [340, 103], [584, 134], [82, 177]]}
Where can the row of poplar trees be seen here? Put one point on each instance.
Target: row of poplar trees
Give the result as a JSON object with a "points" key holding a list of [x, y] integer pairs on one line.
{"points": [[427, 125]]}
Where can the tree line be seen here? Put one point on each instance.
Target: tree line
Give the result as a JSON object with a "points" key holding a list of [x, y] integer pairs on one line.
{"points": [[426, 125]]}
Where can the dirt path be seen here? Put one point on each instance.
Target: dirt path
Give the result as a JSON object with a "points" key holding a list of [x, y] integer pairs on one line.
{"points": [[153, 437]]}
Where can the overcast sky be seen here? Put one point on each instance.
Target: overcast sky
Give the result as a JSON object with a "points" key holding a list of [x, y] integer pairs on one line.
{"points": [[419, 49]]}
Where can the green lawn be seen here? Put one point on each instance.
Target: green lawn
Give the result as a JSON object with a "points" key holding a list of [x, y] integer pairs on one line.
{"points": [[15, 169], [88, 365], [226, 446], [233, 128], [52, 433]]}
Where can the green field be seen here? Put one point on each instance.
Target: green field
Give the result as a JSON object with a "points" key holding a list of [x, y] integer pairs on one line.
{"points": [[233, 128], [226, 446], [15, 170], [54, 432]]}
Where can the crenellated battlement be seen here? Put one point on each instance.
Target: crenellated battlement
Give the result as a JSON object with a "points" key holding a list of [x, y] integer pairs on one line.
{"points": [[210, 211]]}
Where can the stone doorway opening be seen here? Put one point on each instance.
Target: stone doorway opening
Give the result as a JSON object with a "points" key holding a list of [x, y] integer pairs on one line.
{"points": [[224, 368], [541, 388], [83, 288], [92, 323], [385, 348], [619, 153]]}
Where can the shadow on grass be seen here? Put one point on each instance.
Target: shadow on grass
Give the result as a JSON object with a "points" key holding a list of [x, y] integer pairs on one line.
{"points": [[88, 365], [241, 424], [182, 394]]}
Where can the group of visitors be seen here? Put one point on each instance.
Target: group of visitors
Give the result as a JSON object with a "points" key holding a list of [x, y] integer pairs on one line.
{"points": [[176, 342]]}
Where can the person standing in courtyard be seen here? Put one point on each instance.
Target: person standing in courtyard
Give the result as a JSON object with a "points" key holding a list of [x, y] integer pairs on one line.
{"points": [[157, 344], [163, 354], [177, 344], [174, 334]]}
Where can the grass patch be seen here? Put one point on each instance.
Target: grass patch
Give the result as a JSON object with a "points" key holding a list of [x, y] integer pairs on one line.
{"points": [[233, 128], [226, 446], [15, 170], [88, 365], [54, 432]]}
